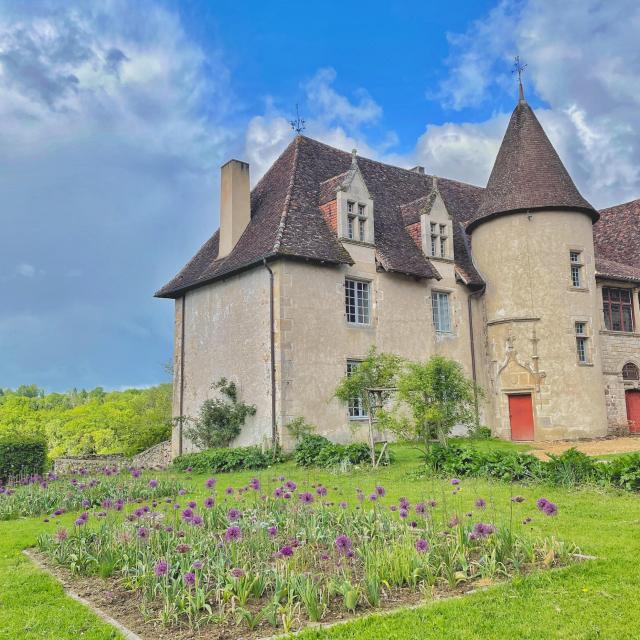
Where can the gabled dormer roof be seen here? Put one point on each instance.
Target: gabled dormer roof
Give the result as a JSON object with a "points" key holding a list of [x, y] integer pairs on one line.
{"points": [[528, 173]]}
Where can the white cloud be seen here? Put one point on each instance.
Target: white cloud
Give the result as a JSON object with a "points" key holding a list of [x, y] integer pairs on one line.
{"points": [[25, 269]]}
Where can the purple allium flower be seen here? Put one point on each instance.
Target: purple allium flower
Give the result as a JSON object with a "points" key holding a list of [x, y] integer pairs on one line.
{"points": [[192, 504], [86, 504], [183, 548], [550, 509], [404, 503], [182, 492], [343, 504], [153, 483], [324, 556], [517, 499], [233, 533], [413, 524], [161, 568], [286, 551], [480, 503], [481, 530], [237, 572], [145, 509], [135, 473], [189, 469], [278, 492], [234, 514], [189, 578], [343, 543], [287, 496], [254, 483], [393, 507], [321, 491], [272, 531], [101, 514], [281, 478], [143, 533], [209, 501], [229, 491], [291, 485], [197, 521], [306, 497], [454, 521], [432, 503], [84, 516], [176, 506], [210, 483], [421, 508], [197, 565], [187, 514], [540, 503], [422, 545], [455, 481], [373, 497], [79, 522], [381, 491], [107, 503], [403, 513]]}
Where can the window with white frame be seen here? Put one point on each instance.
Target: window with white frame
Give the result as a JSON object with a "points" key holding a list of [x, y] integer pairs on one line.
{"points": [[440, 308], [357, 301], [439, 240], [356, 222], [582, 342], [357, 409], [575, 260]]}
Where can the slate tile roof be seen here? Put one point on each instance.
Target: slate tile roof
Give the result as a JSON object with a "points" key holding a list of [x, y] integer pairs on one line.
{"points": [[286, 219], [528, 173], [617, 242]]}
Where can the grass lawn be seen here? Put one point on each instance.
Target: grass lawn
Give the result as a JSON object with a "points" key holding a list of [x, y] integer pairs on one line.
{"points": [[595, 599]]}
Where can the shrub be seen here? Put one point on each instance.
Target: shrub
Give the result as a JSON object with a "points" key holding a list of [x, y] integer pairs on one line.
{"points": [[481, 433], [317, 450], [219, 460], [220, 420], [624, 472], [571, 467], [21, 456], [299, 427]]}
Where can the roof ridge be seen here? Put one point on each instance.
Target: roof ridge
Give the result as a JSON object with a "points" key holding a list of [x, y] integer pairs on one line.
{"points": [[621, 204], [287, 199]]}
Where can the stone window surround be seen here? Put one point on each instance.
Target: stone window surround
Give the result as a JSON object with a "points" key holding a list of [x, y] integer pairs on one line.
{"points": [[358, 197], [582, 266], [635, 302], [450, 299], [588, 335], [363, 280], [631, 305]]}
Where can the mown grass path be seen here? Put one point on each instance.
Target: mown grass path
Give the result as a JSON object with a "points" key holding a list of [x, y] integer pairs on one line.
{"points": [[591, 600]]}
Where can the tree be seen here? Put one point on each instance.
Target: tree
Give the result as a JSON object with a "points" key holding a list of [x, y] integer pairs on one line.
{"points": [[438, 395], [220, 419], [376, 371]]}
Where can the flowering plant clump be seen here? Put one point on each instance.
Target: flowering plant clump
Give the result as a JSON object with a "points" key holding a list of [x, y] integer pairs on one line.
{"points": [[282, 554], [53, 495]]}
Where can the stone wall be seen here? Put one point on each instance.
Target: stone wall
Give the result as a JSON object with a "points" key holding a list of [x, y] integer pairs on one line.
{"points": [[156, 457], [70, 464]]}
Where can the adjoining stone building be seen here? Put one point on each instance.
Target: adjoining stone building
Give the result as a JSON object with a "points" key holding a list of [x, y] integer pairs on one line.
{"points": [[524, 283]]}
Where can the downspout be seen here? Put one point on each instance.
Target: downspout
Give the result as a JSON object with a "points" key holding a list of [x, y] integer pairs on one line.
{"points": [[475, 294], [274, 427], [181, 401]]}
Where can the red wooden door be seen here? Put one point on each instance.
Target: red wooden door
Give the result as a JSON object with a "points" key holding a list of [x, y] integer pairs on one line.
{"points": [[633, 410], [521, 416]]}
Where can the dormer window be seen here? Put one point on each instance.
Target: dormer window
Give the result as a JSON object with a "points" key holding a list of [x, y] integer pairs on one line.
{"points": [[439, 238], [356, 223]]}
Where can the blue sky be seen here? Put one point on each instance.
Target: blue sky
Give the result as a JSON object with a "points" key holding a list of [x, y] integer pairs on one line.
{"points": [[115, 116]]}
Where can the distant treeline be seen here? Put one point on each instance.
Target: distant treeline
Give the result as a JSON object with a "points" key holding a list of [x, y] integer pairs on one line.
{"points": [[81, 422]]}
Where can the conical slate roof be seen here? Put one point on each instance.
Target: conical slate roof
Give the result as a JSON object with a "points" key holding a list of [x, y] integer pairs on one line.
{"points": [[528, 173]]}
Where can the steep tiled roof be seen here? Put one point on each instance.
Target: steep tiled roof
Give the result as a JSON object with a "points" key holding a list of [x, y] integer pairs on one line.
{"points": [[528, 173], [617, 242], [286, 219]]}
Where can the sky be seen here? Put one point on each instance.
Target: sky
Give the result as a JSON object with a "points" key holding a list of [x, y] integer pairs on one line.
{"points": [[116, 115]]}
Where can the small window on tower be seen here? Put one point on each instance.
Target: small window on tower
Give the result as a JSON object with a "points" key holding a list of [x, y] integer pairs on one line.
{"points": [[575, 259], [582, 342]]}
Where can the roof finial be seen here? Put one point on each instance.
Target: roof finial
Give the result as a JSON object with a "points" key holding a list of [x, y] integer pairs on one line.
{"points": [[518, 68], [298, 125]]}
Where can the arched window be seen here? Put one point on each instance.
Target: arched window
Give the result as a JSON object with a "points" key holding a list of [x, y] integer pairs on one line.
{"points": [[630, 372]]}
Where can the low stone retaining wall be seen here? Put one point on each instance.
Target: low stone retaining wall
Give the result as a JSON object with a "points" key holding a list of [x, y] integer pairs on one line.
{"points": [[156, 457], [74, 464]]}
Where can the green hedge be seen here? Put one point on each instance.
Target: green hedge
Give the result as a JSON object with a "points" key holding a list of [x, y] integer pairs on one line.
{"points": [[226, 459], [21, 456], [571, 468], [315, 450]]}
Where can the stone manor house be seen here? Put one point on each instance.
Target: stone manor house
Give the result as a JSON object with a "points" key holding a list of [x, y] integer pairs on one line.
{"points": [[523, 282]]}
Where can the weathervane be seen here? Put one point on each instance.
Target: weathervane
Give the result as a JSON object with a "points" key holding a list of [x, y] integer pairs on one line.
{"points": [[298, 125], [518, 68]]}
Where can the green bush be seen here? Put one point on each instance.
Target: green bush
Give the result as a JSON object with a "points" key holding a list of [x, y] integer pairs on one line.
{"points": [[571, 468], [21, 456], [315, 450], [219, 460]]}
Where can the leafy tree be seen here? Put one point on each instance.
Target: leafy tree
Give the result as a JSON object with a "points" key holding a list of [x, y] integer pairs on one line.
{"points": [[376, 371], [438, 396], [220, 419]]}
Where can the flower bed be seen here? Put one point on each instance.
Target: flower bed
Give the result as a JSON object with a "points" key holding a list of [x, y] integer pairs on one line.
{"points": [[53, 495], [247, 560]]}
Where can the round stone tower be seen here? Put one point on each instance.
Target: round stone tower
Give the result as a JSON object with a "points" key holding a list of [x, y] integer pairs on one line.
{"points": [[532, 241]]}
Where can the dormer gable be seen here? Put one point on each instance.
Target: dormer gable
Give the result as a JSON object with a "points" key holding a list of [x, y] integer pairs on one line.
{"points": [[354, 219], [430, 224]]}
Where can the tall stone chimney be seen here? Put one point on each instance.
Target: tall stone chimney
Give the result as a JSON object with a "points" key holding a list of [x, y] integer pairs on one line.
{"points": [[235, 204]]}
